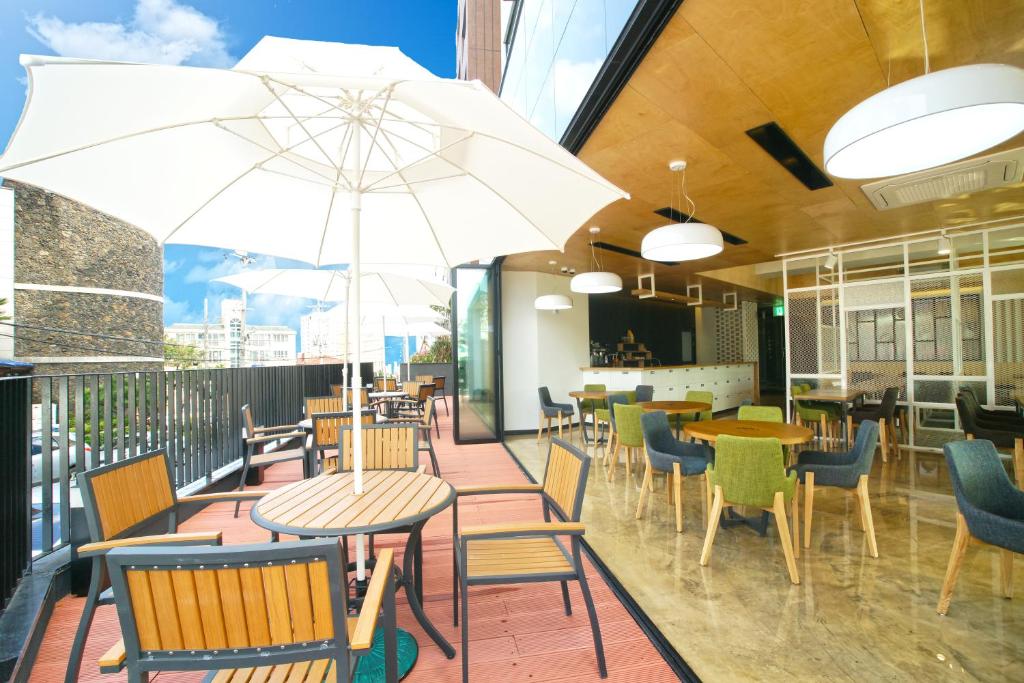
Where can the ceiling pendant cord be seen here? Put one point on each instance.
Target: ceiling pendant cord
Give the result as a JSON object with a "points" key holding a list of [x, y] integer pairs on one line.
{"points": [[924, 38]]}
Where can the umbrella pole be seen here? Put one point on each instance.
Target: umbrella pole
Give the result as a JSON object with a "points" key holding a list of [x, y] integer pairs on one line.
{"points": [[345, 361], [354, 285]]}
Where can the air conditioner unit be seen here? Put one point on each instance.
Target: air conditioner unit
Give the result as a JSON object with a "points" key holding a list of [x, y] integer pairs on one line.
{"points": [[951, 180]]}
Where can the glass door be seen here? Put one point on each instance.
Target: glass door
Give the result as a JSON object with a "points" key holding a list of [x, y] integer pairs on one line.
{"points": [[477, 344]]}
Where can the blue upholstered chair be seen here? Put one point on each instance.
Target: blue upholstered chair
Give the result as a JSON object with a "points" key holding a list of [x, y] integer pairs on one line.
{"points": [[1008, 434], [991, 510], [549, 410], [644, 393], [664, 453], [847, 470]]}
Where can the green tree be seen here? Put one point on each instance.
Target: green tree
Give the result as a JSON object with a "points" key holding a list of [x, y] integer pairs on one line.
{"points": [[3, 309], [182, 356], [439, 352]]}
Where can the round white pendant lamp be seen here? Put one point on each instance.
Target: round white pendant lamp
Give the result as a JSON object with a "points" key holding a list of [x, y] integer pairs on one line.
{"points": [[596, 281], [552, 302], [928, 121], [681, 242]]}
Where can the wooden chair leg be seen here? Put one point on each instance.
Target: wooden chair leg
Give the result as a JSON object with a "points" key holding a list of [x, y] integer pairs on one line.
{"points": [[865, 511], [808, 507], [795, 513], [1006, 571], [1018, 462], [884, 438], [561, 420], [540, 425], [709, 538], [779, 508], [613, 461], [849, 428], [646, 486], [956, 560], [677, 484], [823, 433], [704, 501], [797, 420], [708, 499]]}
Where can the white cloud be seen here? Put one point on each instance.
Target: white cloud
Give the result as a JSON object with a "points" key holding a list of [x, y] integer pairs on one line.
{"points": [[177, 311], [228, 265], [160, 31], [267, 309]]}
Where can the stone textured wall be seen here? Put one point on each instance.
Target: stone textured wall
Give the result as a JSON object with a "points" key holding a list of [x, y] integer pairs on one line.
{"points": [[61, 242]]}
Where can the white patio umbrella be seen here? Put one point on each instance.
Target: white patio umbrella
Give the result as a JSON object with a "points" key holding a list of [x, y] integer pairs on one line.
{"points": [[387, 291], [320, 166]]}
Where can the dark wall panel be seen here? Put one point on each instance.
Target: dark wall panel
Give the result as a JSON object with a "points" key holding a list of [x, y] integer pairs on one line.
{"points": [[657, 324]]}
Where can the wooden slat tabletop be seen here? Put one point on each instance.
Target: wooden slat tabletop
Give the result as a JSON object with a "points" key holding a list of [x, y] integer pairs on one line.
{"points": [[328, 506]]}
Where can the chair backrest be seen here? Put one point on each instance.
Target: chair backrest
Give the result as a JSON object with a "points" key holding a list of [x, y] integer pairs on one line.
{"points": [[565, 480], [391, 384], [439, 383], [980, 480], [385, 447], [644, 393], [545, 397], [888, 407], [379, 383], [428, 412], [613, 400], [121, 497], [425, 392], [702, 397], [322, 404], [326, 426], [864, 446], [749, 471], [627, 424], [590, 403], [248, 424], [760, 413], [967, 412], [335, 390], [425, 379], [364, 396], [411, 388], [662, 447], [231, 606]]}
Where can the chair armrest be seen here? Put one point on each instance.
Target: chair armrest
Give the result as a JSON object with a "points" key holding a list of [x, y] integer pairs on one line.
{"points": [[209, 498], [366, 623], [498, 488], [279, 428], [489, 531], [197, 538], [112, 660], [275, 437]]}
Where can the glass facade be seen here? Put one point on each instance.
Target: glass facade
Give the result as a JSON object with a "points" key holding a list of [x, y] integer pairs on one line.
{"points": [[476, 354], [554, 53]]}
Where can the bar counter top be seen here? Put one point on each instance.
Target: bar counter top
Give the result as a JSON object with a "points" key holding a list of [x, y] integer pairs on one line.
{"points": [[610, 368]]}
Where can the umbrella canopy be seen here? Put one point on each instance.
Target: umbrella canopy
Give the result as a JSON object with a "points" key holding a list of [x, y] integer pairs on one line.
{"points": [[333, 285]]}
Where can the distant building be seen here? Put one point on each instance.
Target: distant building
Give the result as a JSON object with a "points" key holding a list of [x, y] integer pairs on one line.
{"points": [[231, 342], [323, 334], [478, 49]]}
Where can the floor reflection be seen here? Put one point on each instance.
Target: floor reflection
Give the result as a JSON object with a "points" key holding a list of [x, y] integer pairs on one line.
{"points": [[851, 618]]}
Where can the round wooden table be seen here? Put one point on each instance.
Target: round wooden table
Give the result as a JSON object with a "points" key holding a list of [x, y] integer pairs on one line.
{"points": [[710, 430], [581, 396], [392, 501], [675, 408]]}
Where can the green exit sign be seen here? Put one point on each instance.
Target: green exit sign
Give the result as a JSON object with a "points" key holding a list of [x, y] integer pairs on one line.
{"points": [[779, 310]]}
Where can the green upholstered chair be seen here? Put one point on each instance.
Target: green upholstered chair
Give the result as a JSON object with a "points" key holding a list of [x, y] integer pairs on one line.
{"points": [[700, 396], [751, 472], [760, 413], [603, 415], [814, 413], [607, 416], [628, 434], [590, 405]]}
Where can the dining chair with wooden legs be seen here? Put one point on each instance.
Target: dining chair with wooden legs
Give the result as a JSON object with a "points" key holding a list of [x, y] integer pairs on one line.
{"points": [[751, 472], [549, 410], [628, 435], [677, 459], [884, 414], [528, 552], [848, 471], [265, 612], [606, 416]]}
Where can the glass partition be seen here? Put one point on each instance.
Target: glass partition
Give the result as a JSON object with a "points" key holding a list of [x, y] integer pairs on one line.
{"points": [[476, 351]]}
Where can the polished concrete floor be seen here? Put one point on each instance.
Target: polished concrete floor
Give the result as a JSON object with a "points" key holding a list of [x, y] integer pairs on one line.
{"points": [[851, 618]]}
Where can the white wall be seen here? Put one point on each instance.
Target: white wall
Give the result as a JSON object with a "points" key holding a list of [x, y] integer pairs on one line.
{"points": [[541, 348], [7, 267]]}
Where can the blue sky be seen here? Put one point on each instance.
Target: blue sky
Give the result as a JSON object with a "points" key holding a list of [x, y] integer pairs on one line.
{"points": [[211, 33]]}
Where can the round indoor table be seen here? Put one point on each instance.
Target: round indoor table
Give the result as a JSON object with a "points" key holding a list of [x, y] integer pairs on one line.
{"points": [[787, 434], [676, 408], [582, 396], [392, 501]]}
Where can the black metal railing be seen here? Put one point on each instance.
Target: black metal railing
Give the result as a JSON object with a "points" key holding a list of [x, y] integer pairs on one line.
{"points": [[54, 426]]}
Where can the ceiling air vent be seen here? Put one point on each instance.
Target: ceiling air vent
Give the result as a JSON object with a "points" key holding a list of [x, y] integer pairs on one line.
{"points": [[951, 180]]}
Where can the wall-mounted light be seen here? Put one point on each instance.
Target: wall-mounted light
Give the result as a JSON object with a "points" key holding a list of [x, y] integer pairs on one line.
{"points": [[830, 260], [945, 244]]}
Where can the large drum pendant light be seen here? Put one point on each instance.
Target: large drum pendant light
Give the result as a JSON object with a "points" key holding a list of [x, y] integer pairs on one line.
{"points": [[927, 121], [553, 302], [685, 241], [596, 281]]}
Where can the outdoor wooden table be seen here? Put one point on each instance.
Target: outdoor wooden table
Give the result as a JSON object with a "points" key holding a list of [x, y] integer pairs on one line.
{"points": [[787, 434], [675, 408], [581, 396], [844, 397], [389, 399], [392, 501]]}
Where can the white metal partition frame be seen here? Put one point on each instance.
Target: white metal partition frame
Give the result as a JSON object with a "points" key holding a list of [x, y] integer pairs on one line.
{"points": [[903, 314]]}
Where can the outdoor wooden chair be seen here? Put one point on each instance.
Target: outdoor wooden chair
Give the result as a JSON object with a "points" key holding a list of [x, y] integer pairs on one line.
{"points": [[256, 438], [416, 408], [123, 503], [323, 404], [266, 612], [528, 552], [425, 379], [439, 392], [386, 446], [326, 432], [335, 390], [425, 424]]}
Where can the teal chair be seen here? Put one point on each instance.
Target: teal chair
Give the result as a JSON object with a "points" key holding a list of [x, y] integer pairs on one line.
{"points": [[751, 472], [628, 434], [760, 413]]}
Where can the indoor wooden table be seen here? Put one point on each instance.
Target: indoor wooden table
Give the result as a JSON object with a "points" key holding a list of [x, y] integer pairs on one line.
{"points": [[787, 434], [392, 501], [581, 396], [844, 397], [675, 408]]}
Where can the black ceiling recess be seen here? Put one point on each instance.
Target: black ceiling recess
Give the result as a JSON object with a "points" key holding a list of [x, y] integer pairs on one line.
{"points": [[626, 252], [680, 217], [781, 147]]}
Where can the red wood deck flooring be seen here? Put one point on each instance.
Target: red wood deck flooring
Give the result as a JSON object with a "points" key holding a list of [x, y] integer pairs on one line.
{"points": [[517, 633]]}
